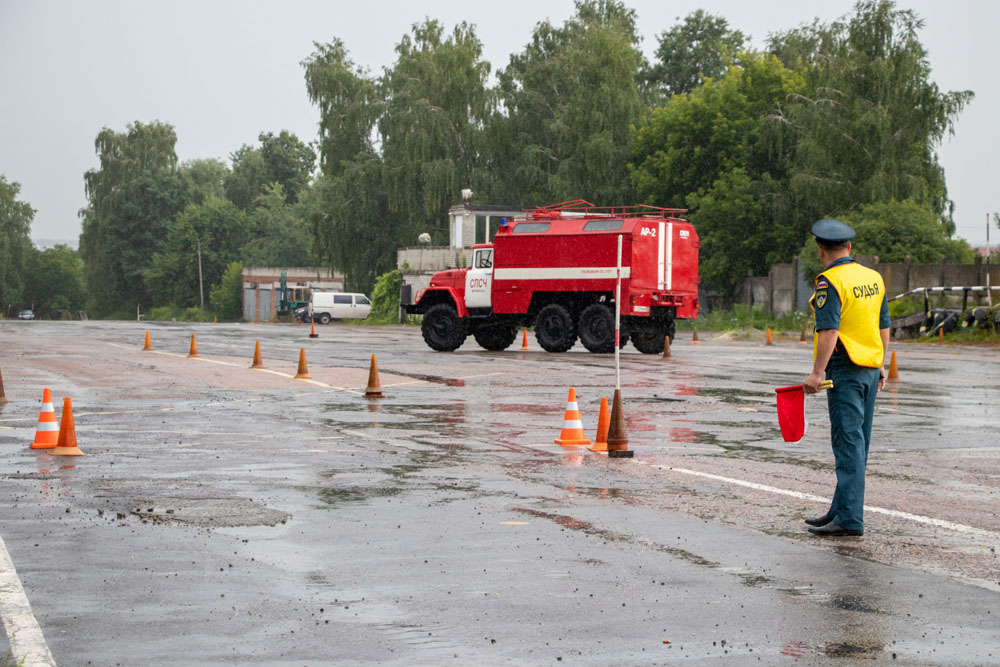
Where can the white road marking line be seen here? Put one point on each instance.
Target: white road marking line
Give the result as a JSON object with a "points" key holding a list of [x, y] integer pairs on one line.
{"points": [[918, 518], [27, 644]]}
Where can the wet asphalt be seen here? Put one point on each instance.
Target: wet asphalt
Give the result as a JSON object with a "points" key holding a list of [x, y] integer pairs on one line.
{"points": [[224, 515]]}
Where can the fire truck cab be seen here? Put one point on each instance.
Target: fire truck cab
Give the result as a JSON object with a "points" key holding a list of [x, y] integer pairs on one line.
{"points": [[556, 269]]}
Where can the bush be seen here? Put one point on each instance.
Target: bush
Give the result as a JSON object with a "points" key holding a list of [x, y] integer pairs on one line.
{"points": [[385, 298], [162, 314], [739, 316]]}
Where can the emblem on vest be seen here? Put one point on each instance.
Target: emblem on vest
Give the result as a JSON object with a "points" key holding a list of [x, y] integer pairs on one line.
{"points": [[820, 298]]}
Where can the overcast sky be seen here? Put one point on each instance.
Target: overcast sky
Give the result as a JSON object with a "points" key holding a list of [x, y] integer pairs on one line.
{"points": [[222, 72]]}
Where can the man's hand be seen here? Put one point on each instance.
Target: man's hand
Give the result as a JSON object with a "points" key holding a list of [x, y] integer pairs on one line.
{"points": [[810, 386], [881, 383]]}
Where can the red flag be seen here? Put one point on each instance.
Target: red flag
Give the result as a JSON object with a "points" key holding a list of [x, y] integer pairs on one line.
{"points": [[792, 412]]}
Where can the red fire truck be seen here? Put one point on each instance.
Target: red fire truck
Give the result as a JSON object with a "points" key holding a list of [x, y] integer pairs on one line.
{"points": [[556, 270]]}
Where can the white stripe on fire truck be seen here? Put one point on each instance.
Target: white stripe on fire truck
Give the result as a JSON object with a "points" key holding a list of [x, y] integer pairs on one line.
{"points": [[661, 260], [560, 273], [670, 256]]}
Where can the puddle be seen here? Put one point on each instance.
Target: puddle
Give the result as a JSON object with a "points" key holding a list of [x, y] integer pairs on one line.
{"points": [[840, 650]]}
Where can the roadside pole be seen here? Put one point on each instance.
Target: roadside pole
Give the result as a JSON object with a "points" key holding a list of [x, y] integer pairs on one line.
{"points": [[618, 316]]}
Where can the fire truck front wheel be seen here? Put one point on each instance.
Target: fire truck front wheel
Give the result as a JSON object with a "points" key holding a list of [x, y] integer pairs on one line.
{"points": [[442, 328], [554, 328], [495, 338]]}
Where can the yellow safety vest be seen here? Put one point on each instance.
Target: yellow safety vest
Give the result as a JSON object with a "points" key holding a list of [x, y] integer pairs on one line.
{"points": [[861, 291]]}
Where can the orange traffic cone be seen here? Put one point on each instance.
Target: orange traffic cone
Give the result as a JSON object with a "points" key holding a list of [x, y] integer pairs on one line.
{"points": [[666, 347], [215, 319], [147, 346], [802, 336], [194, 348], [374, 389], [617, 434], [524, 341], [303, 373], [572, 430], [893, 369], [67, 433], [257, 361], [694, 337], [770, 341], [3, 397], [941, 335], [603, 421], [47, 434], [312, 333]]}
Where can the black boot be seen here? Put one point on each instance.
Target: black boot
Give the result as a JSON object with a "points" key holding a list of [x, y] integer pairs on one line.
{"points": [[833, 530], [820, 520]]}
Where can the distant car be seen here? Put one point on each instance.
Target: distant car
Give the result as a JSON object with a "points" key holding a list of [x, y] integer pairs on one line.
{"points": [[25, 315], [326, 306], [302, 314]]}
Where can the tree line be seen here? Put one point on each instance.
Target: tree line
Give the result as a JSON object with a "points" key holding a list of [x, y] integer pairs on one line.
{"points": [[838, 119]]}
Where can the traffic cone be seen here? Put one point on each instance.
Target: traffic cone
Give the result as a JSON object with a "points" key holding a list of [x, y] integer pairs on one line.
{"points": [[893, 369], [572, 430], [802, 336], [312, 333], [941, 335], [257, 361], [194, 348], [303, 373], [666, 347], [215, 319], [524, 341], [694, 337], [603, 421], [374, 389], [67, 433], [3, 397], [617, 434], [770, 341], [47, 434], [147, 346]]}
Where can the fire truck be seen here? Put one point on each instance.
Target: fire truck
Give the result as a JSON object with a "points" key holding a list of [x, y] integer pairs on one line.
{"points": [[556, 269]]}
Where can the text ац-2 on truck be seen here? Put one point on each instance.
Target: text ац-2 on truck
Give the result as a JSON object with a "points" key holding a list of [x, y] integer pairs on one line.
{"points": [[556, 268]]}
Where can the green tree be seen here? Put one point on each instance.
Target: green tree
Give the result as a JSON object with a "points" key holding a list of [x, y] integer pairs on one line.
{"points": [[394, 151], [226, 297], [15, 244], [869, 130], [280, 159], [567, 102], [221, 230], [133, 199], [278, 234], [288, 161], [205, 179], [895, 231], [55, 281], [699, 48]]}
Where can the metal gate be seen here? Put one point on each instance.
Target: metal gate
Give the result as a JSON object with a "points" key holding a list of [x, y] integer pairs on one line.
{"points": [[249, 304], [265, 305]]}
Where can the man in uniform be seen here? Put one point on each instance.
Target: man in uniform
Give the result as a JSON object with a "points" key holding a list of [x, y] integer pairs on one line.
{"points": [[849, 347]]}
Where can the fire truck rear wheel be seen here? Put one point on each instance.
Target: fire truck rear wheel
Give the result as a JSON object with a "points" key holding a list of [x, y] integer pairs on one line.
{"points": [[648, 342], [442, 328], [597, 328], [495, 338], [554, 328]]}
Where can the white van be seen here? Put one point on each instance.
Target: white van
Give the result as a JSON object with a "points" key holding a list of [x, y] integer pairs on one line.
{"points": [[326, 306]]}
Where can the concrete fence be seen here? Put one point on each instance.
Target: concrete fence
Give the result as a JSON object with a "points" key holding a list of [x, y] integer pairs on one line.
{"points": [[786, 289]]}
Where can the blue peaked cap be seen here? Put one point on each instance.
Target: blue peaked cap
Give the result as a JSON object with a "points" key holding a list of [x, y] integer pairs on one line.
{"points": [[832, 231]]}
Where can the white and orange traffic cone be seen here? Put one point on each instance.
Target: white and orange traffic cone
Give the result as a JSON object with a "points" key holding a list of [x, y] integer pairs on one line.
{"points": [[603, 423], [572, 430], [66, 446], [47, 434]]}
